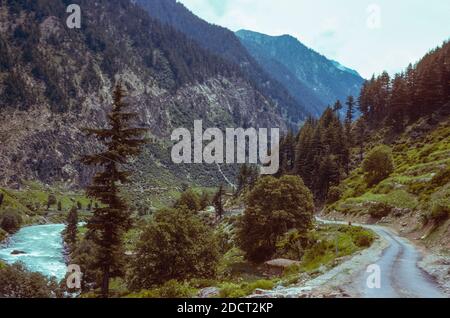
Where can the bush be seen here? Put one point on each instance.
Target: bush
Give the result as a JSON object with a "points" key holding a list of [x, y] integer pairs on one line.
{"points": [[17, 282], [175, 245], [361, 237], [10, 221], [440, 211], [334, 195], [274, 206], [190, 200], [2, 196], [3, 235], [174, 289], [378, 165], [51, 201], [380, 210], [231, 290], [205, 200]]}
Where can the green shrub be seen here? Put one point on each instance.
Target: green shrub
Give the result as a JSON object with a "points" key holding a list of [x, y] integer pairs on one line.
{"points": [[10, 221], [190, 200], [441, 178], [380, 210], [231, 290], [274, 206], [17, 282], [362, 238], [440, 211], [175, 289], [334, 195], [3, 235], [51, 201], [175, 245], [378, 165], [2, 196]]}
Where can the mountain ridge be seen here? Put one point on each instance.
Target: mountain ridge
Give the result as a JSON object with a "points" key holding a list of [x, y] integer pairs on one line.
{"points": [[328, 80], [55, 81]]}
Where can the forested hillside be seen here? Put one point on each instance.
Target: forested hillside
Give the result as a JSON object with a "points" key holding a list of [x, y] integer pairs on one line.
{"points": [[55, 81], [307, 74], [392, 164], [224, 43]]}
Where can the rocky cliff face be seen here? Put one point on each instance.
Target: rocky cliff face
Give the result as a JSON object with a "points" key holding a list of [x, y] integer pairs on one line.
{"points": [[54, 81], [224, 43]]}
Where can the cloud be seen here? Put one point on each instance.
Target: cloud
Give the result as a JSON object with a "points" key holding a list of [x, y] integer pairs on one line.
{"points": [[339, 29]]}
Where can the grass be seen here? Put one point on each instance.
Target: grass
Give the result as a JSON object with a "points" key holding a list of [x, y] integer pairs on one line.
{"points": [[31, 202], [413, 184]]}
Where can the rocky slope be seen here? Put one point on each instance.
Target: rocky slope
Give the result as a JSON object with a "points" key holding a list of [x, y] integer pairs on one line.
{"points": [[307, 74], [226, 44], [55, 80]]}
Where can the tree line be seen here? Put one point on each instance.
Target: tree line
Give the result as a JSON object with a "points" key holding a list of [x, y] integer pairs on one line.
{"points": [[418, 91]]}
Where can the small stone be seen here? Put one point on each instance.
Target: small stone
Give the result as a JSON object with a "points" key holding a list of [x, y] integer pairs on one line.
{"points": [[209, 292], [17, 252]]}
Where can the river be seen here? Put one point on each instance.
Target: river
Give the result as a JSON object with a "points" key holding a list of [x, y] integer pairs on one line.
{"points": [[43, 250]]}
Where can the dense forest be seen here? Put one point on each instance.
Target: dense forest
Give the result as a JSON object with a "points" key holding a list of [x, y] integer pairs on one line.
{"points": [[322, 152], [414, 93], [164, 53]]}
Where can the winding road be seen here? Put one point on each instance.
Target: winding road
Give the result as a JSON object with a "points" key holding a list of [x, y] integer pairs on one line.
{"points": [[399, 273]]}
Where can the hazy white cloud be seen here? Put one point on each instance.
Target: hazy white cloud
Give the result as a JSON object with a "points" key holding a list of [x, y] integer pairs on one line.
{"points": [[340, 29]]}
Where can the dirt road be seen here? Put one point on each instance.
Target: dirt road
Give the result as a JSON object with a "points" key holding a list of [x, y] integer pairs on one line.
{"points": [[399, 273]]}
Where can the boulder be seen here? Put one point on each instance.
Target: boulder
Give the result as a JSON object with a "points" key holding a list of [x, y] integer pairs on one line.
{"points": [[209, 292], [17, 252]]}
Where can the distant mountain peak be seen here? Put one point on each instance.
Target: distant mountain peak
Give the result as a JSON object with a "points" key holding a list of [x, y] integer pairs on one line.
{"points": [[327, 80]]}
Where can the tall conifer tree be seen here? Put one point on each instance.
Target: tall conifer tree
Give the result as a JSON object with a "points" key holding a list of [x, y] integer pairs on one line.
{"points": [[112, 219]]}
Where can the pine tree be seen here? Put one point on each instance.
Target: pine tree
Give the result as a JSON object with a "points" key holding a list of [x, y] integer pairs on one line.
{"points": [[71, 232], [337, 107], [398, 103], [112, 219], [349, 119], [361, 137], [218, 201]]}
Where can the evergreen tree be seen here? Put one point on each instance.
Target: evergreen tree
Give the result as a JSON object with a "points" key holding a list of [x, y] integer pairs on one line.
{"points": [[112, 219], [361, 137], [218, 201], [398, 103], [349, 119], [247, 177], [337, 107], [71, 231]]}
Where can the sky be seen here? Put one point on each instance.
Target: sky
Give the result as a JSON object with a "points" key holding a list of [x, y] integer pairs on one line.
{"points": [[369, 36]]}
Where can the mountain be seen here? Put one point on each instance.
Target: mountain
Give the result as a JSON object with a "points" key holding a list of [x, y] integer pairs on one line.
{"points": [[319, 80], [54, 81], [226, 44]]}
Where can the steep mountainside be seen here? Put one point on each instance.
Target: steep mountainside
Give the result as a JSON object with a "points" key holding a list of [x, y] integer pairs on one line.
{"points": [[409, 115], [325, 80], [54, 81], [224, 43]]}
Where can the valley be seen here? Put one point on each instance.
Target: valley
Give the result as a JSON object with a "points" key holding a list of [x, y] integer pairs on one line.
{"points": [[129, 148]]}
